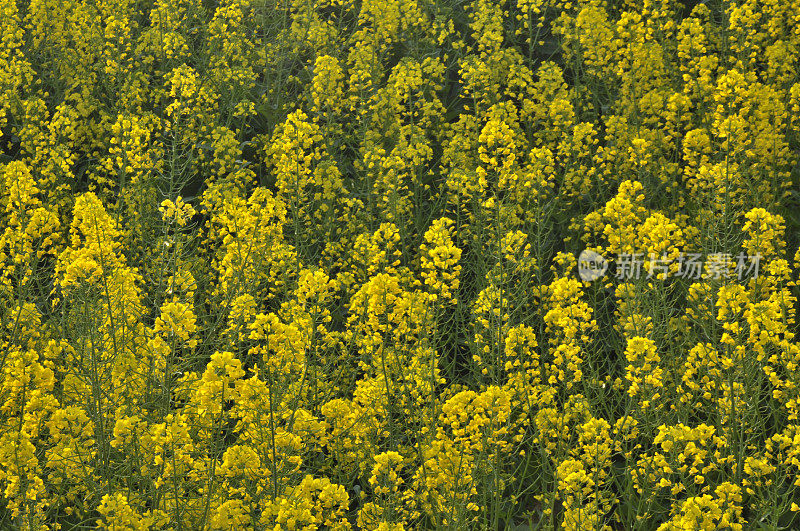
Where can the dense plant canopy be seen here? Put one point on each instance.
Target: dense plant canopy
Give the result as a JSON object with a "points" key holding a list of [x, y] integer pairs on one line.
{"points": [[399, 264]]}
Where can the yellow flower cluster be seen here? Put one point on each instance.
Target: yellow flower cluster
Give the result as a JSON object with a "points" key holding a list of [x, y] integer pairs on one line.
{"points": [[314, 264]]}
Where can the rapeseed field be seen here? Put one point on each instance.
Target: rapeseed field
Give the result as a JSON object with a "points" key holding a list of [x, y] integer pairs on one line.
{"points": [[399, 264]]}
